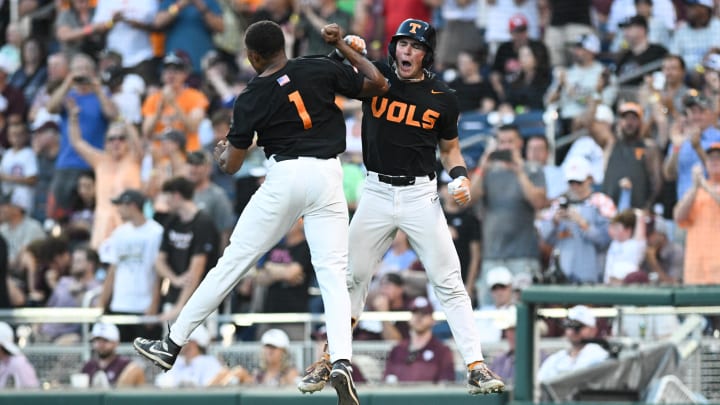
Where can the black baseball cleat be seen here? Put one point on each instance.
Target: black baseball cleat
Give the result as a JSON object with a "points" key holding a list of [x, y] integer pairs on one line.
{"points": [[482, 380], [316, 376], [161, 352], [342, 381]]}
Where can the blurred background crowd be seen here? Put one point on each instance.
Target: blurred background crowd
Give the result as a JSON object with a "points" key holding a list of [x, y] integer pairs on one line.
{"points": [[109, 111]]}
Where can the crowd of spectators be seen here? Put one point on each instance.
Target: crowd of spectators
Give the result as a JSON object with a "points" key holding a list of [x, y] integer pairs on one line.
{"points": [[110, 196]]}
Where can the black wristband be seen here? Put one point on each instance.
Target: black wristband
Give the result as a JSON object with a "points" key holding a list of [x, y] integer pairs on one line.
{"points": [[458, 171]]}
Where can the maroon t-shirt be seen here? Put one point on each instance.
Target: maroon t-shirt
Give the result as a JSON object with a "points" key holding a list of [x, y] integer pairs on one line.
{"points": [[432, 363], [113, 370]]}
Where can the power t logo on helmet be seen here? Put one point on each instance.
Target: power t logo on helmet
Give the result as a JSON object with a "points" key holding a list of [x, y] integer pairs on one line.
{"points": [[418, 30]]}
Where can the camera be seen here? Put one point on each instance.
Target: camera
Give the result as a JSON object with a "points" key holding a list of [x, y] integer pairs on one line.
{"points": [[501, 155], [563, 202], [81, 80]]}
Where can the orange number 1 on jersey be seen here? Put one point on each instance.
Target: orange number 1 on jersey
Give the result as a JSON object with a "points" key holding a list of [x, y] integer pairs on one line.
{"points": [[296, 99]]}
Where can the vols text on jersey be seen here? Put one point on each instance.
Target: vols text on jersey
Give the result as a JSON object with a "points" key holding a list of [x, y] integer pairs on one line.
{"points": [[401, 112]]}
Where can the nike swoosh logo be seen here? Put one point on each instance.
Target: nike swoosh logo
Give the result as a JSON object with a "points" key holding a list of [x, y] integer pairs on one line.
{"points": [[436, 92], [152, 349]]}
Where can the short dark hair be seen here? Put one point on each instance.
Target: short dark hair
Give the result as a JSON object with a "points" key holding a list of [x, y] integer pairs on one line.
{"points": [[180, 185], [90, 254], [678, 58], [540, 137], [265, 37], [625, 218], [510, 127]]}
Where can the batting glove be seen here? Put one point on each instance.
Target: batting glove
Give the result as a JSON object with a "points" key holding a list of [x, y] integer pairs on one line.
{"points": [[459, 189], [356, 43]]}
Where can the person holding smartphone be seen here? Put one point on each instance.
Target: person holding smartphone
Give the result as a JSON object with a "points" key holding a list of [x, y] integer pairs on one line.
{"points": [[511, 191]]}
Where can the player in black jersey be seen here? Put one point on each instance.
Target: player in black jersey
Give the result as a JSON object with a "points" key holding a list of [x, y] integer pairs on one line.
{"points": [[401, 131], [291, 107]]}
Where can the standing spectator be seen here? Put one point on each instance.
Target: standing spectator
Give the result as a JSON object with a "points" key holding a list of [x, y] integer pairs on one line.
{"points": [[189, 26], [12, 102], [699, 212], [314, 16], [46, 145], [116, 168], [96, 111], [32, 74], [580, 327], [632, 163], [10, 51], [287, 272], [689, 137], [702, 32], [511, 192], [499, 12], [660, 16], [17, 226], [81, 216], [18, 167], [15, 369], [57, 70], [585, 146], [209, 197], [107, 369], [499, 281], [176, 105], [506, 66], [578, 227], [195, 367], [128, 25], [131, 285], [421, 357], [70, 293], [170, 160], [189, 246], [569, 19], [76, 30], [527, 90], [640, 53], [575, 88], [459, 31], [627, 249]]}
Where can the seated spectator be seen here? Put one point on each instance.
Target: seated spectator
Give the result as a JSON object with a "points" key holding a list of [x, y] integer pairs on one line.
{"points": [[32, 75], [499, 281], [107, 368], [45, 261], [389, 297], [421, 357], [168, 161], [45, 140], [12, 102], [504, 364], [699, 212], [701, 32], [664, 258], [525, 92], [70, 292], [398, 258], [82, 210], [474, 92], [627, 249], [15, 369], [18, 167], [632, 62], [580, 327], [654, 327], [17, 227], [194, 367]]}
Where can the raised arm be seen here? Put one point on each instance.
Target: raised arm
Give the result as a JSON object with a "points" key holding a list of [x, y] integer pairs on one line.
{"points": [[88, 152]]}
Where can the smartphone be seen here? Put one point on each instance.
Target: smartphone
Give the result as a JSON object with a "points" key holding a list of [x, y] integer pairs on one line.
{"points": [[81, 80], [658, 81], [501, 155], [563, 202]]}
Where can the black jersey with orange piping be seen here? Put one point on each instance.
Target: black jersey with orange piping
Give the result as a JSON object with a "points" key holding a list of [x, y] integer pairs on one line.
{"points": [[293, 110], [402, 128]]}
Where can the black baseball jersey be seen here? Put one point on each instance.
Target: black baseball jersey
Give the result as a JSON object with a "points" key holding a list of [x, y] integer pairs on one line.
{"points": [[293, 110], [401, 129]]}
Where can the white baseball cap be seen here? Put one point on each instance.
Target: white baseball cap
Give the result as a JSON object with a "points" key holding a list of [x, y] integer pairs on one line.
{"points": [[7, 339], [507, 320], [201, 336], [604, 114], [577, 168], [589, 42], [499, 275], [106, 331], [582, 314], [276, 338]]}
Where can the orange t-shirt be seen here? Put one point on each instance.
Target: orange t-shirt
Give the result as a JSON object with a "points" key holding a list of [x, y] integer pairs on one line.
{"points": [[702, 256], [189, 99]]}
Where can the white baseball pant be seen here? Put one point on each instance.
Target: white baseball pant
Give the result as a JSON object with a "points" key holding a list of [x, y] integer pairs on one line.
{"points": [[303, 187], [415, 209]]}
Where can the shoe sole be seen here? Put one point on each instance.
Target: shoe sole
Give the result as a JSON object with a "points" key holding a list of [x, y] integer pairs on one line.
{"points": [[155, 359], [490, 387], [309, 388], [343, 384]]}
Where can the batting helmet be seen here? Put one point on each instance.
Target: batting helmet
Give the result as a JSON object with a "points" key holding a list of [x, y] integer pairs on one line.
{"points": [[418, 30]]}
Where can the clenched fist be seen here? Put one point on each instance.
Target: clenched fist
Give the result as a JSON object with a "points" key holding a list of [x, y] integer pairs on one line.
{"points": [[459, 189]]}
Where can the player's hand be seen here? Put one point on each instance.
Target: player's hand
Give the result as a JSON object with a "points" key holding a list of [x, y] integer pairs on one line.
{"points": [[459, 189], [331, 34], [356, 43]]}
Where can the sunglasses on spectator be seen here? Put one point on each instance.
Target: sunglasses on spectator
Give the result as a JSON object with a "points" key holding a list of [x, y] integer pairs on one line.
{"points": [[116, 138], [574, 182], [574, 325]]}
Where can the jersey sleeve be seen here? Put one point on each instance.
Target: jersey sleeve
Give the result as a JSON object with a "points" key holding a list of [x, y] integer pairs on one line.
{"points": [[244, 118], [449, 120], [349, 82]]}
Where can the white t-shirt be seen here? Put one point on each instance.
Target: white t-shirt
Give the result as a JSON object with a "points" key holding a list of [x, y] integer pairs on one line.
{"points": [[196, 373], [22, 163], [623, 258], [133, 250], [561, 362], [587, 148], [132, 43], [497, 19]]}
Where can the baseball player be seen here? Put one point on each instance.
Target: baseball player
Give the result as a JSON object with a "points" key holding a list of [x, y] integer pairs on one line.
{"points": [[290, 104], [401, 131]]}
